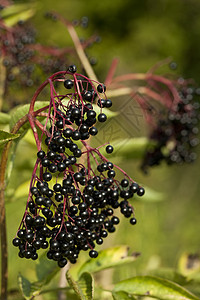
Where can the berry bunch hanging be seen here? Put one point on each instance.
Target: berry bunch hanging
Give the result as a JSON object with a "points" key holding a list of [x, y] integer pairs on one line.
{"points": [[176, 131], [74, 190]]}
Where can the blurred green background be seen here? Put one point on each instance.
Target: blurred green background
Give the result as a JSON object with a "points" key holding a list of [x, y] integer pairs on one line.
{"points": [[139, 33]]}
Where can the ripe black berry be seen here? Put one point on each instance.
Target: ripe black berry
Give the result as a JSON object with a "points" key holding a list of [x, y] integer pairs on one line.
{"points": [[41, 154], [109, 149], [102, 117], [72, 69], [93, 253], [133, 221], [140, 191], [68, 84], [47, 176], [101, 88]]}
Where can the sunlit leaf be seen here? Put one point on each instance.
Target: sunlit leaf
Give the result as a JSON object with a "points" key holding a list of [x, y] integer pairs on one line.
{"points": [[150, 196], [86, 283], [122, 296], [75, 286], [5, 137], [17, 12], [108, 258], [170, 274], [154, 287]]}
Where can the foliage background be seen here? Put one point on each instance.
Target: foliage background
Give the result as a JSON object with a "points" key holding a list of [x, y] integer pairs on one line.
{"points": [[140, 33]]}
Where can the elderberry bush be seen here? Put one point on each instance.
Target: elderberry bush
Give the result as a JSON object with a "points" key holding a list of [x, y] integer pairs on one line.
{"points": [[75, 192], [176, 132]]}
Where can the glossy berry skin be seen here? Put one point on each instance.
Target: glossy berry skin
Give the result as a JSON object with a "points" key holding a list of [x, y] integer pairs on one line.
{"points": [[72, 69], [47, 176], [140, 191], [16, 242], [124, 183], [93, 253], [109, 149], [108, 103], [101, 88], [87, 95], [133, 221], [41, 154], [68, 84], [102, 117]]}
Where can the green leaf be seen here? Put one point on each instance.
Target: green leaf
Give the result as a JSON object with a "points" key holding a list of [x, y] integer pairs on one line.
{"points": [[21, 110], [45, 270], [17, 12], [189, 264], [27, 288], [154, 287], [5, 137], [22, 190], [170, 274], [108, 258], [109, 113], [75, 286], [150, 196], [122, 296], [4, 118], [132, 148], [86, 283]]}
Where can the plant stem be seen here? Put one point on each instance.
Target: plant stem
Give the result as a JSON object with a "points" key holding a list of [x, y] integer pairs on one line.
{"points": [[79, 48], [4, 251]]}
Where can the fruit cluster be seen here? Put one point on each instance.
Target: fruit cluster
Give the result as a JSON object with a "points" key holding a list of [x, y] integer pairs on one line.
{"points": [[74, 190], [25, 59], [176, 132]]}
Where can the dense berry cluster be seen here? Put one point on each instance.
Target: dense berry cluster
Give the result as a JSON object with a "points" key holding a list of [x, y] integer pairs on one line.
{"points": [[74, 191], [176, 132]]}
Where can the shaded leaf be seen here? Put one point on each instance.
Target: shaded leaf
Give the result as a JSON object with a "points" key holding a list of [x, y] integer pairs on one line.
{"points": [[108, 258], [45, 270], [122, 296], [27, 288], [154, 287], [5, 137], [86, 283]]}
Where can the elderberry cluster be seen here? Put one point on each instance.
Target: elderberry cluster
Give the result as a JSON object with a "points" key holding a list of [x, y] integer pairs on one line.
{"points": [[73, 202], [26, 60], [176, 132]]}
